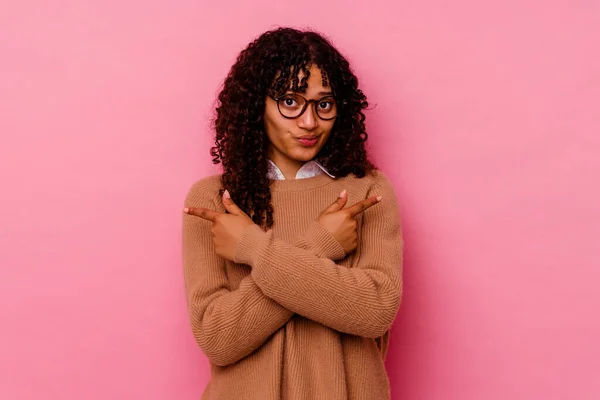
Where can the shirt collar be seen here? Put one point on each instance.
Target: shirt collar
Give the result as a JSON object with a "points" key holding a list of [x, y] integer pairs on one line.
{"points": [[308, 170]]}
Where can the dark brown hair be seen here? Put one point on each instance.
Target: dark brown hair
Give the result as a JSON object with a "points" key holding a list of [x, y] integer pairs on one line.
{"points": [[269, 65]]}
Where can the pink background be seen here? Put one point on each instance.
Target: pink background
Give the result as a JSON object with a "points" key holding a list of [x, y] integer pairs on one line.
{"points": [[487, 120]]}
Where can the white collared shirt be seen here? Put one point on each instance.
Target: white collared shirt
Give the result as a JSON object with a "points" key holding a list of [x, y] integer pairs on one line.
{"points": [[308, 170]]}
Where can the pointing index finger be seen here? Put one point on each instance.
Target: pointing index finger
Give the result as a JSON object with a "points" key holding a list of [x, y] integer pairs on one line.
{"points": [[363, 205], [203, 213]]}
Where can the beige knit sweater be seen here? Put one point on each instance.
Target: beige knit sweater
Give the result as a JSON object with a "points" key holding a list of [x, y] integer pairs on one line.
{"points": [[294, 318]]}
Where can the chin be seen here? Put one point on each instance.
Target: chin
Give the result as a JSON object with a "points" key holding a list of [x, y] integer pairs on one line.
{"points": [[304, 155]]}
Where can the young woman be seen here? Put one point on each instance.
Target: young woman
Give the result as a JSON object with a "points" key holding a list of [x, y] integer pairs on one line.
{"points": [[293, 256]]}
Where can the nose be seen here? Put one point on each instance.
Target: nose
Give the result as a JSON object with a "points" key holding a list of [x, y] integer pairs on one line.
{"points": [[308, 120]]}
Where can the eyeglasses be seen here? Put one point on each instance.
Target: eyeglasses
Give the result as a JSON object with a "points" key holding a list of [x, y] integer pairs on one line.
{"points": [[293, 105]]}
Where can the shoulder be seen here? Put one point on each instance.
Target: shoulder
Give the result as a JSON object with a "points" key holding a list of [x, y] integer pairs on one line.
{"points": [[375, 181], [389, 208], [381, 182], [204, 191]]}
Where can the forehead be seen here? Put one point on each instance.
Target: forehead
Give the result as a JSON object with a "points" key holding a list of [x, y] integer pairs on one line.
{"points": [[314, 72], [315, 82]]}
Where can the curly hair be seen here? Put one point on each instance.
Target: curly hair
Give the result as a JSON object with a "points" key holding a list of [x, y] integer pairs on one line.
{"points": [[268, 66]]}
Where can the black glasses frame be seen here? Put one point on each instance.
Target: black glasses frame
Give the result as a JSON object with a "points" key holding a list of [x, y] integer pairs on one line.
{"points": [[306, 103]]}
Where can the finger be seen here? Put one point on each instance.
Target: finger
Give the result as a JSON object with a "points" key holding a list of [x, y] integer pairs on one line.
{"points": [[363, 205], [339, 203], [230, 206], [203, 213]]}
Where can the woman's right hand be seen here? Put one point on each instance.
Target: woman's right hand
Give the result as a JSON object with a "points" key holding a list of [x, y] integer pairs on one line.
{"points": [[341, 222]]}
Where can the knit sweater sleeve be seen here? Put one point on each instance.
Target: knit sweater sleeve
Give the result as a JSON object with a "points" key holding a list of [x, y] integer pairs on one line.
{"points": [[227, 324], [320, 242], [362, 300]]}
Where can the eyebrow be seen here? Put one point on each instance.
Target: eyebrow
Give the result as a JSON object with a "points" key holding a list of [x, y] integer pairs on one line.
{"points": [[319, 94]]}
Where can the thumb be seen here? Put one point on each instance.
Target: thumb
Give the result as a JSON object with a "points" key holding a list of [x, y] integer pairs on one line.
{"points": [[230, 206], [339, 203]]}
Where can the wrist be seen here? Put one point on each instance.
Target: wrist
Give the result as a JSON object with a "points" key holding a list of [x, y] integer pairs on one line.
{"points": [[325, 244], [248, 244]]}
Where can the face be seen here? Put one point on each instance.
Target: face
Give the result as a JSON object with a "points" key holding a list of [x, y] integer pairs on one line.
{"points": [[293, 142]]}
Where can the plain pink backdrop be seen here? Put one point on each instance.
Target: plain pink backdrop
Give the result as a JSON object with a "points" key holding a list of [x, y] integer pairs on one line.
{"points": [[485, 116]]}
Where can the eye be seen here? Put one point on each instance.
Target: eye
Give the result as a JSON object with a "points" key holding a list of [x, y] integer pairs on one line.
{"points": [[325, 105], [289, 102]]}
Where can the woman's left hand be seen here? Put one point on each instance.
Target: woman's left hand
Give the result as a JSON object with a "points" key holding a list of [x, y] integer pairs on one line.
{"points": [[227, 229]]}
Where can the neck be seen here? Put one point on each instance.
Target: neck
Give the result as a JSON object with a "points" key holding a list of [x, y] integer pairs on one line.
{"points": [[289, 168]]}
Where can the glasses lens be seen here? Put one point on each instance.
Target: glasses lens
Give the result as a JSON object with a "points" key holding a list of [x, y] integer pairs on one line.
{"points": [[291, 105], [326, 108]]}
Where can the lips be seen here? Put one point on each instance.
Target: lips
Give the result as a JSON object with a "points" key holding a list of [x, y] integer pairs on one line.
{"points": [[308, 141]]}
